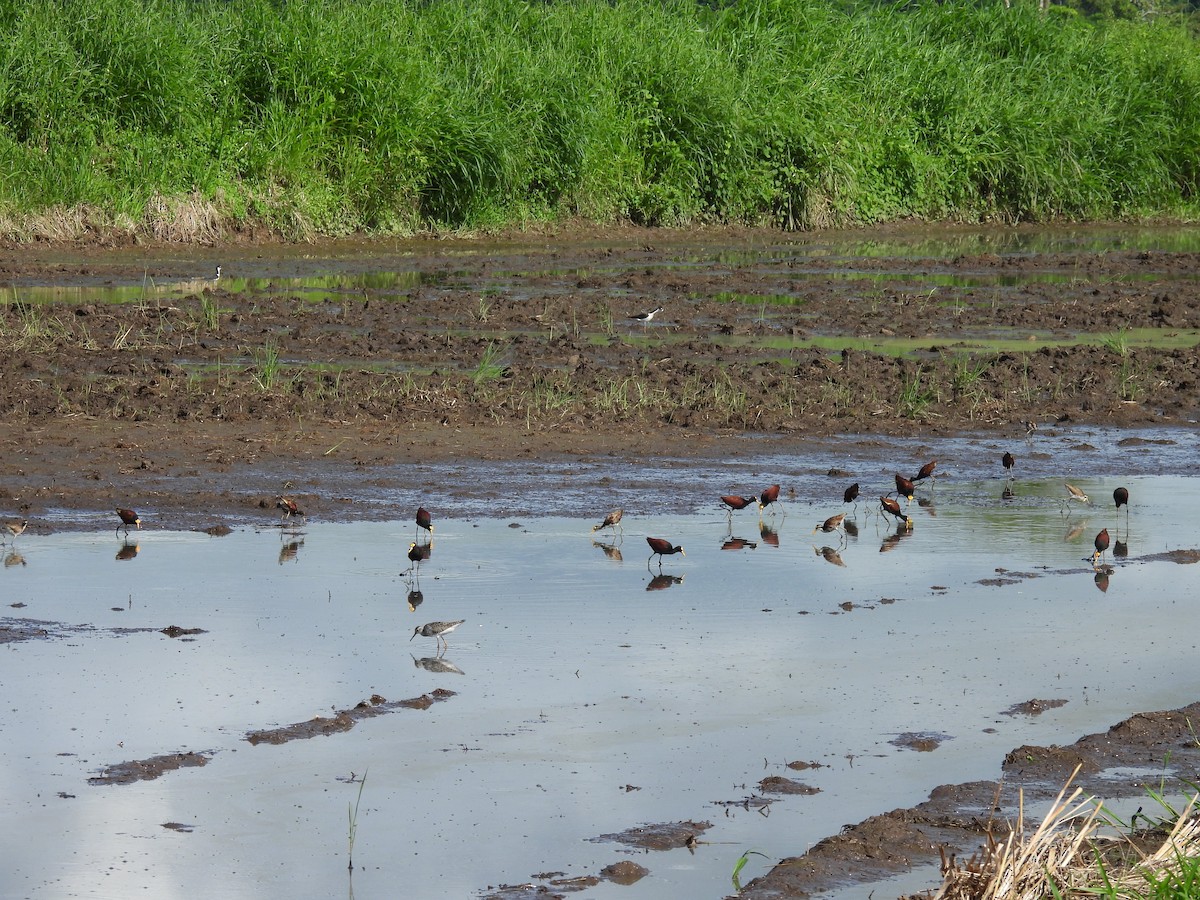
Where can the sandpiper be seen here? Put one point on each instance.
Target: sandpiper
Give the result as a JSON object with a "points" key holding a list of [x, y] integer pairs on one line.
{"points": [[16, 528], [437, 630]]}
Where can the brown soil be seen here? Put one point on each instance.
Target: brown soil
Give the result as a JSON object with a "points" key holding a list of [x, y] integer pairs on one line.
{"points": [[148, 404]]}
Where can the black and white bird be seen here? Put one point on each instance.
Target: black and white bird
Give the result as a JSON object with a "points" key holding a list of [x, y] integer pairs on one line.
{"points": [[645, 317]]}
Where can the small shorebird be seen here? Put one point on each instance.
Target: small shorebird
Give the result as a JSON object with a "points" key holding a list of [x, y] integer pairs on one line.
{"points": [[1121, 498], [660, 547], [612, 520], [645, 317], [905, 488], [833, 523], [850, 495], [16, 528], [733, 502], [1076, 494], [1101, 545], [892, 507], [767, 497], [926, 471], [289, 507], [437, 630], [128, 517], [1008, 461]]}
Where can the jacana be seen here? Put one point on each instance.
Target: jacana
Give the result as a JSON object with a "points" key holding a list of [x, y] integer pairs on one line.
{"points": [[612, 520], [1101, 545], [660, 548], [128, 517], [769, 496], [424, 520], [1008, 461], [289, 507], [1121, 498], [904, 487], [16, 528], [850, 494], [737, 502], [833, 523], [926, 471], [891, 506]]}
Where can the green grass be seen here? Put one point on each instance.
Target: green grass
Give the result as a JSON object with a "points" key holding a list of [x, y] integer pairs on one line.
{"points": [[180, 119]]}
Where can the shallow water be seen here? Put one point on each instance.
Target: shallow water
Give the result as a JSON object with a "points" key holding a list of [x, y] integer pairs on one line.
{"points": [[581, 675]]}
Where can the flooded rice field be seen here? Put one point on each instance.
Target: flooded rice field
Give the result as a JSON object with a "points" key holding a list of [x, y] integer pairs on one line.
{"points": [[755, 692]]}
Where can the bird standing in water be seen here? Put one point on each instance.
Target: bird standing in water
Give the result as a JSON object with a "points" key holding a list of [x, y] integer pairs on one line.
{"points": [[645, 317], [612, 520], [417, 553], [128, 517], [732, 503], [660, 548], [926, 471], [850, 495], [1075, 494], [833, 523], [1008, 461], [424, 520], [905, 488], [16, 528], [1121, 498], [767, 497], [289, 507], [892, 507], [1101, 545], [437, 630]]}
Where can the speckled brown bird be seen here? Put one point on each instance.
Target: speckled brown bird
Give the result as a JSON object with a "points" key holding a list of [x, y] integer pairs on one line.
{"points": [[833, 523], [16, 528], [612, 520], [128, 517], [437, 630]]}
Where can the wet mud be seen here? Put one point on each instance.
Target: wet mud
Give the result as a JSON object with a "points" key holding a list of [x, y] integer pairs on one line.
{"points": [[345, 719]]}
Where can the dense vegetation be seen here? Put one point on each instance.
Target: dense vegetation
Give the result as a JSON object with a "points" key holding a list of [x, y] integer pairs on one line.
{"points": [[184, 119]]}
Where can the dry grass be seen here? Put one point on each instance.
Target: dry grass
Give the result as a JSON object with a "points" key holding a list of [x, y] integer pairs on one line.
{"points": [[1066, 858]]}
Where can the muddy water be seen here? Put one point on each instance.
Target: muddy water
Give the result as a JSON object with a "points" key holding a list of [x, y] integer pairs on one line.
{"points": [[591, 694]]}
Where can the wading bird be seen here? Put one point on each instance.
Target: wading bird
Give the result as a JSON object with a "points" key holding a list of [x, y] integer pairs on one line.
{"points": [[660, 548], [417, 553], [1008, 461], [437, 630], [769, 496], [1121, 498], [612, 520], [850, 495], [128, 517], [1101, 545], [833, 523], [645, 317], [424, 520], [892, 507], [1076, 494], [926, 471], [904, 487], [289, 507], [15, 528], [732, 503]]}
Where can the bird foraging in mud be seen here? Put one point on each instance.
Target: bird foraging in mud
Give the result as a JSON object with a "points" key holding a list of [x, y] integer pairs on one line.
{"points": [[1008, 461], [660, 547], [767, 497], [128, 517], [926, 471], [289, 507], [905, 488], [424, 520], [16, 528], [1075, 494], [612, 520], [437, 630], [833, 523], [892, 507], [1101, 543], [646, 317]]}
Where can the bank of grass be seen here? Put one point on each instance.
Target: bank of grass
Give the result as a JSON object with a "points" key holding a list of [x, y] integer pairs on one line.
{"points": [[186, 120]]}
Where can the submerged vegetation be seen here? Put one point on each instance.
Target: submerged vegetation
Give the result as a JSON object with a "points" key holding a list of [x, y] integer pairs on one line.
{"points": [[189, 120]]}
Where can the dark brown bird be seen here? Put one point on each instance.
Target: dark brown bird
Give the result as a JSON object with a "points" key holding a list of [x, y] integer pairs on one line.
{"points": [[733, 503], [417, 553], [769, 535], [736, 543], [660, 548], [16, 528], [926, 471], [424, 520], [612, 520], [769, 496], [1121, 498], [904, 487], [128, 517], [289, 507], [850, 494], [1008, 460], [1101, 545], [833, 523], [892, 507]]}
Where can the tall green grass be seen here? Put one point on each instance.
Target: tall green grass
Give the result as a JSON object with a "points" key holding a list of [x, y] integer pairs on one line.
{"points": [[330, 116]]}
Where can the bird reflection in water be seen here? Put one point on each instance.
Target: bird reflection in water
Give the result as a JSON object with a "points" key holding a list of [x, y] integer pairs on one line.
{"points": [[437, 664], [13, 558], [287, 553], [415, 599], [1074, 532], [612, 551], [769, 535], [1008, 493], [893, 540], [1120, 549], [737, 543], [128, 551], [661, 582], [1101, 578], [926, 503], [850, 527], [829, 555]]}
